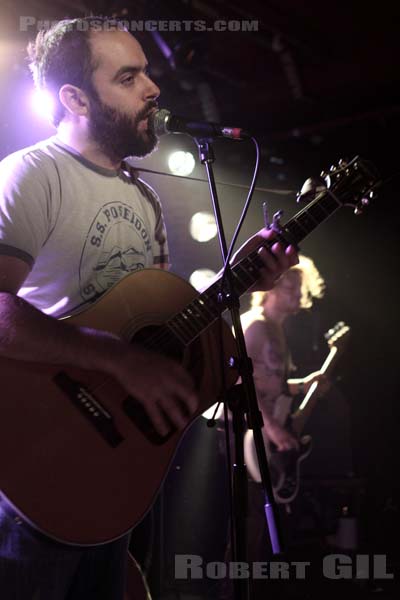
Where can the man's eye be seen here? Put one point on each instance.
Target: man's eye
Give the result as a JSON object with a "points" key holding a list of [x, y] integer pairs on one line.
{"points": [[128, 80]]}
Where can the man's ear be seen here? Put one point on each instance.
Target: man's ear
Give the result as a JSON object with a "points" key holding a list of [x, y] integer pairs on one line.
{"points": [[74, 100]]}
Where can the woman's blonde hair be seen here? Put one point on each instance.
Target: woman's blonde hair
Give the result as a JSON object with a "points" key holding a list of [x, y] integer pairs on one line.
{"points": [[312, 284]]}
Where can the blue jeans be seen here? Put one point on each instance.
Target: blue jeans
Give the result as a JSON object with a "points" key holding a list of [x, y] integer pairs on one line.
{"points": [[40, 569]]}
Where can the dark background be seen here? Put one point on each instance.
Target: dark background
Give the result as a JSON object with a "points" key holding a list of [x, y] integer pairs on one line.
{"points": [[317, 82]]}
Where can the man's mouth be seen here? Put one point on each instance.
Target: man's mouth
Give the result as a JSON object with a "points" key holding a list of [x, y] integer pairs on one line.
{"points": [[150, 114]]}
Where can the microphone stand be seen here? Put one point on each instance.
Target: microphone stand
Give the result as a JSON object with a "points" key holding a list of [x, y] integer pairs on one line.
{"points": [[242, 400]]}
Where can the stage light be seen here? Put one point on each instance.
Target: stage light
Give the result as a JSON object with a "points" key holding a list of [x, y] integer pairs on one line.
{"points": [[212, 412], [42, 103], [202, 227], [201, 278], [181, 163]]}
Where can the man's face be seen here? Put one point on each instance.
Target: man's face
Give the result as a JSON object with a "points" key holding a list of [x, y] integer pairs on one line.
{"points": [[123, 96], [288, 292]]}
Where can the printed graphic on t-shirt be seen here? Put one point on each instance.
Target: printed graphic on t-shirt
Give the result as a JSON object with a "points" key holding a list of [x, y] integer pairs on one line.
{"points": [[118, 243]]}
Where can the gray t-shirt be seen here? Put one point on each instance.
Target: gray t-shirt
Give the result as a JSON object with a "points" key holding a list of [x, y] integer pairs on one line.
{"points": [[80, 227]]}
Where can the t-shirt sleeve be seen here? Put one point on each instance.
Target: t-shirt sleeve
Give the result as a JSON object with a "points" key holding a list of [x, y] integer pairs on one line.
{"points": [[25, 207]]}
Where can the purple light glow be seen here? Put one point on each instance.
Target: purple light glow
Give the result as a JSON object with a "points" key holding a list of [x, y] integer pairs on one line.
{"points": [[42, 103]]}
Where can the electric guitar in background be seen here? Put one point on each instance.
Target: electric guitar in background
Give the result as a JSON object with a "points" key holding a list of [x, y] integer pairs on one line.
{"points": [[79, 459], [285, 465]]}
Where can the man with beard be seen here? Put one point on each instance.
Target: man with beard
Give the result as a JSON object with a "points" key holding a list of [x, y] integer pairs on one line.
{"points": [[74, 219]]}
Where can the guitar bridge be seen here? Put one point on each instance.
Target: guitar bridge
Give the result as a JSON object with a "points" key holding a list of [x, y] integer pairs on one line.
{"points": [[90, 408]]}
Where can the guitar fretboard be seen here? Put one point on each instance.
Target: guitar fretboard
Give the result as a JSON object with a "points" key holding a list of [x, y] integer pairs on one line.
{"points": [[207, 307]]}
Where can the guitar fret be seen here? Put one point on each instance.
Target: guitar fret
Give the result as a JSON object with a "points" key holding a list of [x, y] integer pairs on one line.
{"points": [[317, 211], [167, 339], [198, 313], [181, 322], [186, 314], [211, 299], [306, 221], [202, 306], [193, 318], [256, 260], [330, 203], [184, 325], [254, 264], [295, 230], [180, 335], [303, 223], [242, 278], [245, 277]]}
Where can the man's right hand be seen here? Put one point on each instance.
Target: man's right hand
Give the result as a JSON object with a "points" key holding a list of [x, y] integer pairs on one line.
{"points": [[160, 384], [280, 436]]}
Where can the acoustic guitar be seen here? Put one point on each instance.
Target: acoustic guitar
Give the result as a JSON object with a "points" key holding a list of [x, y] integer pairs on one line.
{"points": [[79, 460]]}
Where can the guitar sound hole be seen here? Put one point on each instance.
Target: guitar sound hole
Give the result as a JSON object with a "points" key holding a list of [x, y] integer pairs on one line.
{"points": [[159, 339]]}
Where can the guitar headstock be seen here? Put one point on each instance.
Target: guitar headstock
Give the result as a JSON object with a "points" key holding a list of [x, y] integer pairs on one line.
{"points": [[351, 183], [338, 334]]}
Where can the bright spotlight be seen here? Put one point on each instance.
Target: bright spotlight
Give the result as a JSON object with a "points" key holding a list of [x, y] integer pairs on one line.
{"points": [[210, 412], [201, 278], [42, 103], [181, 163], [203, 227]]}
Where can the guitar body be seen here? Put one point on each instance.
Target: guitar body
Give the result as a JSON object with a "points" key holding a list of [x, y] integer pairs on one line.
{"points": [[287, 463], [73, 480], [78, 460], [284, 466]]}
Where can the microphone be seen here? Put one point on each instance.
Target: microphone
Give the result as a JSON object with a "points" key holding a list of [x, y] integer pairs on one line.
{"points": [[162, 122]]}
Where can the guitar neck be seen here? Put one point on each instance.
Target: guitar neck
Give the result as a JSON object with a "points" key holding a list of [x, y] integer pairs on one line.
{"points": [[302, 414], [207, 307], [328, 365]]}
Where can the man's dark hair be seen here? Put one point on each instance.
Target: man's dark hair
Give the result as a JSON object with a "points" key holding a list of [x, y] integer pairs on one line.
{"points": [[62, 55]]}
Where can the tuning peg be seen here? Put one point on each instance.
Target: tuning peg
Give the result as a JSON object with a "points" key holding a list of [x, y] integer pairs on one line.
{"points": [[333, 168], [342, 163], [365, 201], [358, 211]]}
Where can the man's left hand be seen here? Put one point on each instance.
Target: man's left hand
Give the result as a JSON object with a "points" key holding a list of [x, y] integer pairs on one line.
{"points": [[276, 260]]}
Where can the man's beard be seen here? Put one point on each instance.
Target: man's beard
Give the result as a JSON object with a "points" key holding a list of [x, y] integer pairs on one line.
{"points": [[117, 134]]}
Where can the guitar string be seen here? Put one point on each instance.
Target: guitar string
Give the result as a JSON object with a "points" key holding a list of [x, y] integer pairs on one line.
{"points": [[164, 336], [154, 341]]}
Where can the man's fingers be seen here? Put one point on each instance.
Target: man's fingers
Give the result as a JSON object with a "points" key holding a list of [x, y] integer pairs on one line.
{"points": [[161, 385], [173, 408], [292, 253], [269, 260], [157, 417], [183, 387]]}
